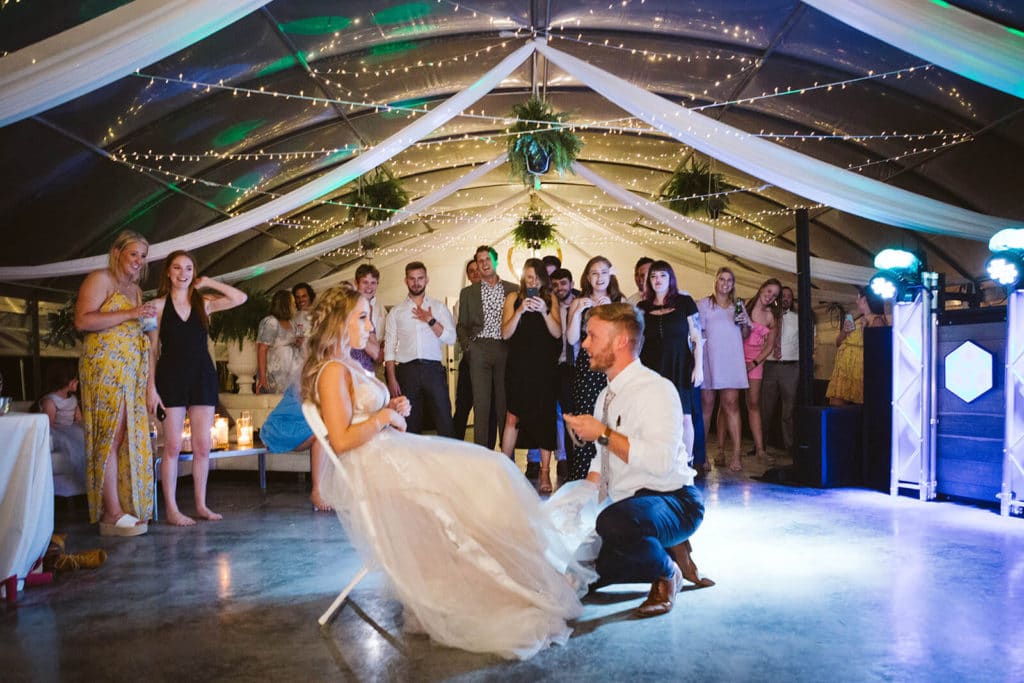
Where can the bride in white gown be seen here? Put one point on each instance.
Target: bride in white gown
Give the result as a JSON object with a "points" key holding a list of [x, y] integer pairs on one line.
{"points": [[459, 532]]}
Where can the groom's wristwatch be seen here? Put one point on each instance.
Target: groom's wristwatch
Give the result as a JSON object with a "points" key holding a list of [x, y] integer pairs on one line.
{"points": [[603, 439]]}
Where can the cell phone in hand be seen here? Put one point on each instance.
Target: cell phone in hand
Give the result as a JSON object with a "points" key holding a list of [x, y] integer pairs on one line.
{"points": [[532, 291], [160, 413]]}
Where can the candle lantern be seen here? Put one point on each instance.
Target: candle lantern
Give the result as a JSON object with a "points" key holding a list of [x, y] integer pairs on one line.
{"points": [[220, 432], [186, 436], [243, 429]]}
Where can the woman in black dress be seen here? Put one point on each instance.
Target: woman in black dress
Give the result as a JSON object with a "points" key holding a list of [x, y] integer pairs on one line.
{"points": [[671, 329], [531, 323], [185, 377], [600, 286]]}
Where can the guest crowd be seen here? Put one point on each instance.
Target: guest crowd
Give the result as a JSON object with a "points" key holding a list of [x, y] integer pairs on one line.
{"points": [[522, 365]]}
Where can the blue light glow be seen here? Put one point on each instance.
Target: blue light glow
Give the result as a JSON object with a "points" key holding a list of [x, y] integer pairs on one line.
{"points": [[883, 287], [896, 259]]}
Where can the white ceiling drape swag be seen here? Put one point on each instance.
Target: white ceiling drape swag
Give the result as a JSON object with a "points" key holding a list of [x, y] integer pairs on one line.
{"points": [[955, 39], [796, 172], [479, 221], [765, 254], [415, 207], [102, 50], [311, 191]]}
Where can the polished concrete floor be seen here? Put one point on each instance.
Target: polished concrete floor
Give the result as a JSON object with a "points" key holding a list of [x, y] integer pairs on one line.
{"points": [[813, 585]]}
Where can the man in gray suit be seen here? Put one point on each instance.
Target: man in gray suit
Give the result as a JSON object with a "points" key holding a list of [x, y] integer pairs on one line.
{"points": [[479, 332]]}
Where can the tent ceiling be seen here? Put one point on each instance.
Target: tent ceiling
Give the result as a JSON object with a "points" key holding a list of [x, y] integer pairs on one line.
{"points": [[61, 198]]}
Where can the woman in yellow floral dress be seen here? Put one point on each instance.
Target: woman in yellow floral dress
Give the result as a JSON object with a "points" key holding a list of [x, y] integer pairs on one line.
{"points": [[847, 383], [114, 369]]}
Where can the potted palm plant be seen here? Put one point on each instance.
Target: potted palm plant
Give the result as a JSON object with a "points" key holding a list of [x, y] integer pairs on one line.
{"points": [[540, 140]]}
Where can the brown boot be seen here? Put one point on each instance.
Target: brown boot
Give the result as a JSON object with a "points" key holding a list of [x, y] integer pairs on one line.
{"points": [[662, 596], [681, 554]]}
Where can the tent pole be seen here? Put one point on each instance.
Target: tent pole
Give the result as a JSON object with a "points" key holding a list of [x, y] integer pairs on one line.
{"points": [[805, 391], [33, 311]]}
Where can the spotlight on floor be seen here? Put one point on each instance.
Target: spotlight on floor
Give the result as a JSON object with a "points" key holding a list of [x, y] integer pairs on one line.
{"points": [[898, 276], [1006, 265]]}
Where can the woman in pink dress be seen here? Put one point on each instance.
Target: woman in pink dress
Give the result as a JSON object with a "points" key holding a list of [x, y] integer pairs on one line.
{"points": [[763, 312], [722, 320]]}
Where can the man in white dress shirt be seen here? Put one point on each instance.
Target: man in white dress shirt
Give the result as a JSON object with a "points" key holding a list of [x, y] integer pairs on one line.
{"points": [[782, 372], [367, 279], [643, 264], [640, 465], [414, 332]]}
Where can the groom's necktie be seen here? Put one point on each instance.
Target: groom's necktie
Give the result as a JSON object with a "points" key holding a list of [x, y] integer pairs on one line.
{"points": [[609, 396]]}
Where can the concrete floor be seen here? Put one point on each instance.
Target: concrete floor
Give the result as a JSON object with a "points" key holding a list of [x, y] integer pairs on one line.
{"points": [[813, 585]]}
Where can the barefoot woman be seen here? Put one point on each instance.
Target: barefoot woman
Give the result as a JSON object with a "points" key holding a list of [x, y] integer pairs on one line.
{"points": [[185, 377]]}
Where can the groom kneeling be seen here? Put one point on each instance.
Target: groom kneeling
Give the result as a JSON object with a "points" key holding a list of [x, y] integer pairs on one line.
{"points": [[641, 464]]}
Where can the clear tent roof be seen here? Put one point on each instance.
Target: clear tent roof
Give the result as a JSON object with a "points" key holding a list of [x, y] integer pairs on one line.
{"points": [[189, 153]]}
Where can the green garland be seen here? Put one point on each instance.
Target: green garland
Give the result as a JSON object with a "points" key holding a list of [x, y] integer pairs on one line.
{"points": [[534, 231], [539, 130], [688, 187], [382, 196]]}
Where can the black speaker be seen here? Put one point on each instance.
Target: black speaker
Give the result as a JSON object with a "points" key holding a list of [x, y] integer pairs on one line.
{"points": [[829, 446]]}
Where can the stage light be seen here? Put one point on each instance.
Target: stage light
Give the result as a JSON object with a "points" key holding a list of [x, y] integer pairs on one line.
{"points": [[1006, 265], [897, 260], [1005, 268], [899, 275]]}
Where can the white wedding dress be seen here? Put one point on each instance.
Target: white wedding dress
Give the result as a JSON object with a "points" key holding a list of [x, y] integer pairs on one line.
{"points": [[459, 533]]}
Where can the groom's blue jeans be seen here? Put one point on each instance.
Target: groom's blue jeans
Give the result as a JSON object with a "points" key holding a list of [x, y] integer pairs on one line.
{"points": [[636, 531]]}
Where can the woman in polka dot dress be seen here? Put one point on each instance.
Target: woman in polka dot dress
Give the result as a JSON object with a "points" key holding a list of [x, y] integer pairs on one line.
{"points": [[599, 287]]}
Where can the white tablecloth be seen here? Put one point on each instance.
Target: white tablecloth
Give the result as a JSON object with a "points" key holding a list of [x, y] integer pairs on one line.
{"points": [[26, 492]]}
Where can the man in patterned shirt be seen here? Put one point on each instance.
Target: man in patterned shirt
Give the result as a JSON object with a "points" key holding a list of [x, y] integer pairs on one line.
{"points": [[479, 333]]}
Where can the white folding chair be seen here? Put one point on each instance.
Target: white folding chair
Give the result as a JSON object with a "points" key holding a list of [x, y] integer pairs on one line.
{"points": [[316, 423]]}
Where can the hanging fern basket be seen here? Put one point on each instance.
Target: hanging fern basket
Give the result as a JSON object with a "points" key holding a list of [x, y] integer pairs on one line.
{"points": [[540, 140], [694, 190], [377, 200], [534, 231]]}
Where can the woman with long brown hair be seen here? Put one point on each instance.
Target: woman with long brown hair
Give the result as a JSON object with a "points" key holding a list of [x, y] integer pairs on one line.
{"points": [[185, 377], [600, 286], [763, 312], [532, 325]]}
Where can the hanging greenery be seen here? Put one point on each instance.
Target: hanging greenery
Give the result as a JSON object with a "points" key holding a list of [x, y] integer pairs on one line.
{"points": [[534, 231], [689, 187], [378, 199], [61, 325], [242, 322], [539, 140]]}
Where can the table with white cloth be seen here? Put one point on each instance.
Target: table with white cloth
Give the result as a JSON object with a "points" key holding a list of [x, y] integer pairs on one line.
{"points": [[26, 492]]}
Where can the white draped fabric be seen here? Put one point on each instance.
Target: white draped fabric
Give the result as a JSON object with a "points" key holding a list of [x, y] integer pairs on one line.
{"points": [[26, 492], [309, 192], [415, 207], [765, 254], [955, 39], [796, 172], [91, 55], [479, 220]]}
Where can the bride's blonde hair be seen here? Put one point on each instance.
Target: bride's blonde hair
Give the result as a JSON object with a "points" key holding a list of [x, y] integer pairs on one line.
{"points": [[329, 337]]}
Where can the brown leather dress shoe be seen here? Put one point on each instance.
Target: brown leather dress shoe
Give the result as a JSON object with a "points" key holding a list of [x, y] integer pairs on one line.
{"points": [[681, 554], [662, 596]]}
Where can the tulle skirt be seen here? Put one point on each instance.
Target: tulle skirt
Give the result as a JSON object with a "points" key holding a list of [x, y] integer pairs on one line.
{"points": [[463, 540]]}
